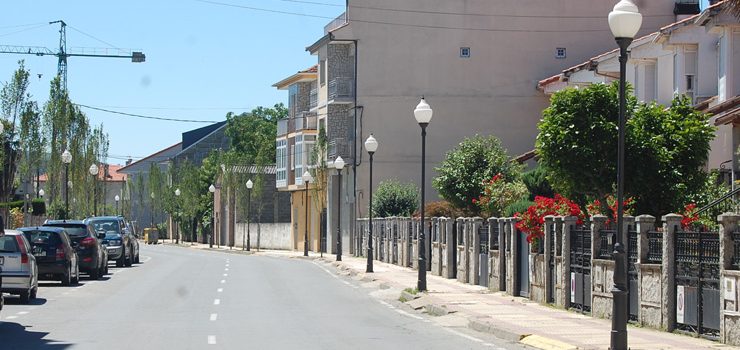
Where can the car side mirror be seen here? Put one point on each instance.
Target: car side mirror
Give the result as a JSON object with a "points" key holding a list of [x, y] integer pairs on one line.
{"points": [[101, 235]]}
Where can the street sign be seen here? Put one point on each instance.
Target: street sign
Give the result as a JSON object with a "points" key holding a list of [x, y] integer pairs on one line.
{"points": [[680, 304], [730, 293]]}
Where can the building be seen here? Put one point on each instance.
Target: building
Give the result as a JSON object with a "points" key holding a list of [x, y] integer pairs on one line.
{"points": [[295, 143], [474, 61], [698, 56]]}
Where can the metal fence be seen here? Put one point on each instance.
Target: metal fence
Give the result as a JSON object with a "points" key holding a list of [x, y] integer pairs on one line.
{"points": [[655, 247], [736, 250], [495, 239], [606, 244]]}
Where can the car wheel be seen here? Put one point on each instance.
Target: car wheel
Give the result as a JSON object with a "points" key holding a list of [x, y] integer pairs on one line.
{"points": [[26, 296], [129, 259], [137, 261], [120, 261], [67, 277], [105, 269], [34, 291], [95, 273], [76, 279]]}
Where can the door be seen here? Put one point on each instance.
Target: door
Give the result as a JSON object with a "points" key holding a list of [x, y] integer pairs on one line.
{"points": [[522, 272], [483, 235], [697, 282], [580, 267]]}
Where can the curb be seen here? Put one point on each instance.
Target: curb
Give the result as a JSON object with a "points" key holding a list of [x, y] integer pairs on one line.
{"points": [[544, 343], [490, 328], [436, 310]]}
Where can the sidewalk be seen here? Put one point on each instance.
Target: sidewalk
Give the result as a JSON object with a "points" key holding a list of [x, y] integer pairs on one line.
{"points": [[506, 317]]}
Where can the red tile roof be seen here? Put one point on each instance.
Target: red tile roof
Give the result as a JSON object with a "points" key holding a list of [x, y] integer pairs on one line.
{"points": [[113, 174]]}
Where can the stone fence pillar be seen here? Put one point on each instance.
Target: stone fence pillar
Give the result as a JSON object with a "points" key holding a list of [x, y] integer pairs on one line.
{"points": [[729, 312]]}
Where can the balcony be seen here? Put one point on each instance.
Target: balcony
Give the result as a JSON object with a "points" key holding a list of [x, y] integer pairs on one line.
{"points": [[305, 121], [282, 126], [342, 90], [336, 23], [337, 147], [313, 98]]}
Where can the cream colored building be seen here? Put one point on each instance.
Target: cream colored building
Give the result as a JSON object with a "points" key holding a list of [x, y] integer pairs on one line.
{"points": [[476, 62]]}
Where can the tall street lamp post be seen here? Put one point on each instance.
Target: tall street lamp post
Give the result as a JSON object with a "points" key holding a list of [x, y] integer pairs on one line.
{"points": [[307, 179], [250, 184], [177, 204], [371, 145], [117, 198], [212, 189], [339, 165], [624, 21], [66, 159], [423, 114], [94, 172]]}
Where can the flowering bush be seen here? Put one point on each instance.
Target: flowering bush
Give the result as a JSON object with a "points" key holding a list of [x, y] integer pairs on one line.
{"points": [[532, 220], [498, 194], [690, 215], [597, 208]]}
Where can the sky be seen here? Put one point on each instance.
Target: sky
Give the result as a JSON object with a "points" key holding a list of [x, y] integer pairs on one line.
{"points": [[203, 59]]}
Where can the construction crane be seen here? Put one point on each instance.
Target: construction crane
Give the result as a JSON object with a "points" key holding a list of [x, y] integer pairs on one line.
{"points": [[63, 54]]}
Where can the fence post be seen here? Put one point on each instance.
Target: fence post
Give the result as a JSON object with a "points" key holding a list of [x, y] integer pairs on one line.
{"points": [[671, 224], [645, 223], [647, 316], [461, 251], [548, 241], [569, 223], [473, 251], [728, 224], [502, 252]]}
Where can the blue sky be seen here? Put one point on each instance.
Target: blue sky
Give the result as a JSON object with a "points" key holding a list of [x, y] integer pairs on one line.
{"points": [[203, 59]]}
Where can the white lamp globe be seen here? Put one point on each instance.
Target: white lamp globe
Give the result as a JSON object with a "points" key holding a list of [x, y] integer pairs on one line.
{"points": [[93, 169], [423, 112], [177, 192], [250, 184], [66, 157], [371, 144], [307, 178], [117, 198], [211, 188], [339, 163], [41, 192], [625, 20]]}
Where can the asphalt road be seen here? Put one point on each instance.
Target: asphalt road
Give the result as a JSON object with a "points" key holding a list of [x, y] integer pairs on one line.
{"points": [[180, 298]]}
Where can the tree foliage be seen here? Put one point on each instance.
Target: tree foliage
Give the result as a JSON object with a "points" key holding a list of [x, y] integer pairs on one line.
{"points": [[462, 174], [577, 145], [393, 198]]}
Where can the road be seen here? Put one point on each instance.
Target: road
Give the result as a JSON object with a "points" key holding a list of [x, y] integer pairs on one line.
{"points": [[181, 298]]}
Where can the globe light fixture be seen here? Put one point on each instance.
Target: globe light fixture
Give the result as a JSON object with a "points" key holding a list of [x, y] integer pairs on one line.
{"points": [[211, 188], [371, 145], [625, 19]]}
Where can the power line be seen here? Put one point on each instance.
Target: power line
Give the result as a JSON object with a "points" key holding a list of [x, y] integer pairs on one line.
{"points": [[23, 30], [313, 3], [407, 24], [23, 25], [147, 116], [92, 37], [179, 108]]}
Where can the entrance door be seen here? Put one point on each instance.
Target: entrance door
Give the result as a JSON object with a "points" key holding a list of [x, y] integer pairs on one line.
{"points": [[551, 265], [522, 247], [580, 267], [697, 282]]}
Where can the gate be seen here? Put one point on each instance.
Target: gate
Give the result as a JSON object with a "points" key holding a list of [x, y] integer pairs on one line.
{"points": [[551, 265], [632, 273], [483, 234], [322, 232], [697, 282], [580, 268], [496, 244], [394, 243], [522, 272]]}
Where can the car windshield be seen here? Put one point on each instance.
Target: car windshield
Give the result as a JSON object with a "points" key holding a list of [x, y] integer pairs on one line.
{"points": [[107, 226], [74, 230], [43, 238], [8, 244]]}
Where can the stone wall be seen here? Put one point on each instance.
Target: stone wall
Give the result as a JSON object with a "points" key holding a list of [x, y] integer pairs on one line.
{"points": [[538, 271], [271, 236], [729, 280]]}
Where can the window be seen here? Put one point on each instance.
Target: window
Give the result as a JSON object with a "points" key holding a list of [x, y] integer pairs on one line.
{"points": [[322, 72], [309, 142], [298, 160], [282, 163], [690, 68], [464, 52], [560, 53]]}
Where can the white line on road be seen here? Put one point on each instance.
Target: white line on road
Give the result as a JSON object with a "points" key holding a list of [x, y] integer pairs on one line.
{"points": [[220, 290], [217, 301], [211, 340], [22, 312], [214, 317], [223, 281], [226, 275], [226, 269], [11, 317], [409, 315]]}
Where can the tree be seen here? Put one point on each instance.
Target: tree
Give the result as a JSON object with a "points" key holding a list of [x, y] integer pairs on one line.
{"points": [[577, 145], [475, 160], [393, 198], [14, 103]]}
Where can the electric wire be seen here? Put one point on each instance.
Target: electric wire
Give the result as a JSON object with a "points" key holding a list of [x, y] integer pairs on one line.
{"points": [[22, 30], [92, 37], [147, 116]]}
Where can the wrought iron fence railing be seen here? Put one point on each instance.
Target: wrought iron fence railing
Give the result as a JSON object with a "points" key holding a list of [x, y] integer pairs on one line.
{"points": [[655, 247], [736, 250], [606, 244]]}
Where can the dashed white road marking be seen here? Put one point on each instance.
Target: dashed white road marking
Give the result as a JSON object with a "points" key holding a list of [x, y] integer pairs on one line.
{"points": [[226, 275], [11, 317], [226, 269], [223, 281], [220, 290], [22, 312], [211, 340], [213, 317], [217, 302]]}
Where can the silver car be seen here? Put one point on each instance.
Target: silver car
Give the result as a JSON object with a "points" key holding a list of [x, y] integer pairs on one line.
{"points": [[20, 274]]}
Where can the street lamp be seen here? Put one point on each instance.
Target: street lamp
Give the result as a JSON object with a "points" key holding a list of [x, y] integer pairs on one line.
{"points": [[117, 198], [41, 193], [423, 114], [624, 21], [177, 202], [307, 179], [94, 172], [249, 212], [371, 145], [212, 189], [66, 159], [339, 165]]}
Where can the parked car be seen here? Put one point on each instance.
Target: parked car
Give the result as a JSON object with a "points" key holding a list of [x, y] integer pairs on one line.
{"points": [[56, 258], [117, 240], [92, 253], [20, 274], [134, 234]]}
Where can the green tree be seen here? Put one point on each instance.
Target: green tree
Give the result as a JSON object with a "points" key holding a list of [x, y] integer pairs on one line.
{"points": [[393, 198], [577, 145], [475, 160], [15, 102]]}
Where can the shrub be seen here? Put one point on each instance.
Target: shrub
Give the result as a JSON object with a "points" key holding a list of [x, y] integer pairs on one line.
{"points": [[498, 194], [532, 220], [463, 171], [393, 198], [519, 206], [537, 183], [439, 209]]}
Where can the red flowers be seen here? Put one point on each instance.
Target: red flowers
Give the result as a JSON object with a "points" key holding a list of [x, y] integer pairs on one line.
{"points": [[533, 218], [689, 215], [596, 207]]}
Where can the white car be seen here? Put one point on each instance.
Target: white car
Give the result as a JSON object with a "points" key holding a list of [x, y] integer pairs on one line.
{"points": [[20, 274]]}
